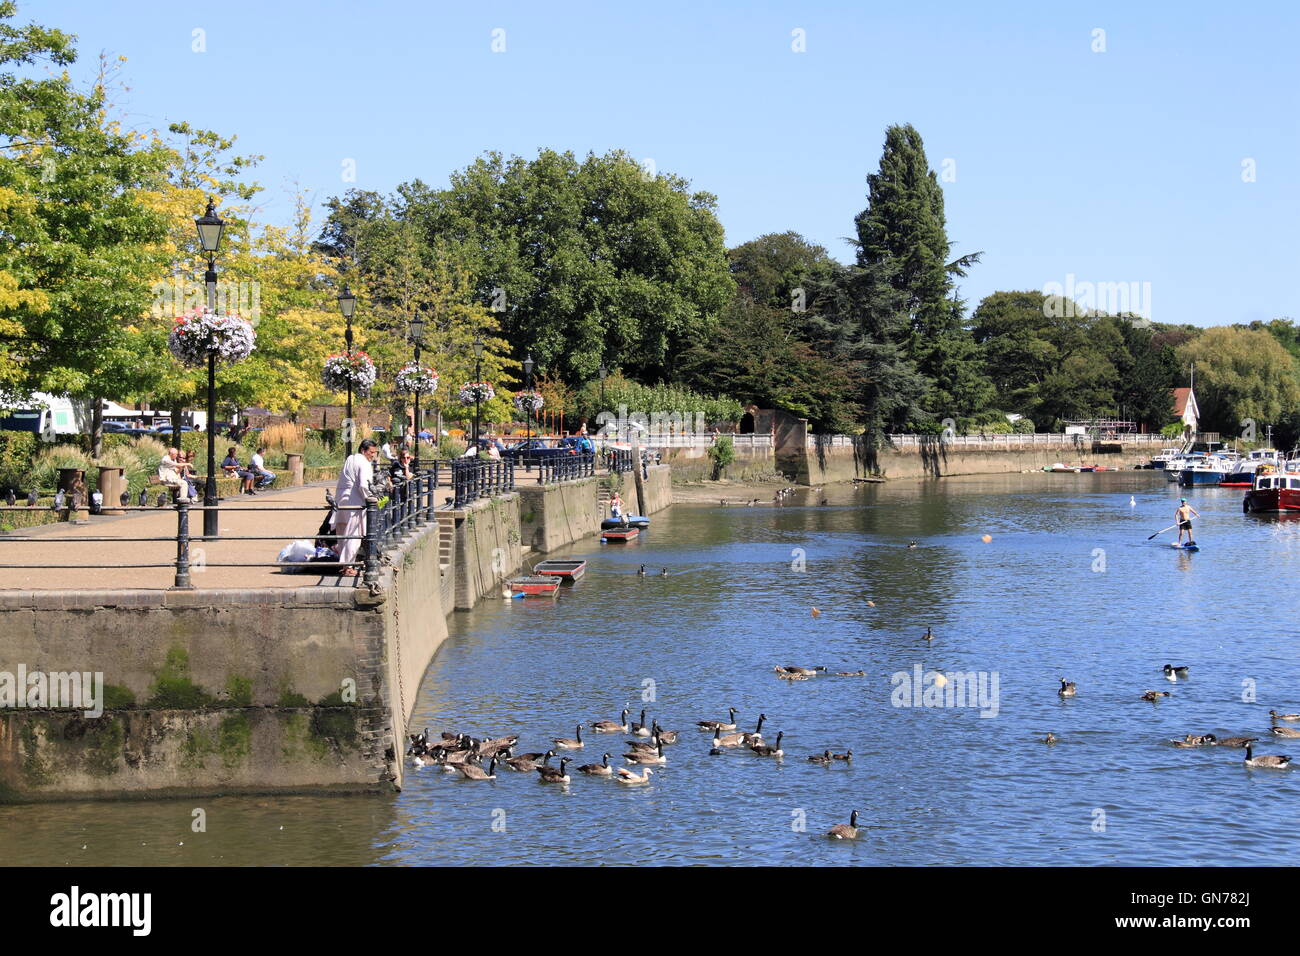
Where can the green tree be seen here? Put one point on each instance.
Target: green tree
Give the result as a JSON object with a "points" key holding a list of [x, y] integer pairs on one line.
{"points": [[1241, 373], [770, 269], [904, 226], [595, 259], [80, 245]]}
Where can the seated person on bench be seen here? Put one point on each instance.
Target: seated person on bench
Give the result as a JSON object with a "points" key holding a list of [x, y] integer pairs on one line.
{"points": [[169, 473], [258, 467]]}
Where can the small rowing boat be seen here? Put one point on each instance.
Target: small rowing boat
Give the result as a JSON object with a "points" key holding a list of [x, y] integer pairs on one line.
{"points": [[633, 521], [566, 569], [536, 585]]}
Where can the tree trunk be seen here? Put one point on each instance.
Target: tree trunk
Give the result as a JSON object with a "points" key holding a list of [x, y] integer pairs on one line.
{"points": [[97, 427]]}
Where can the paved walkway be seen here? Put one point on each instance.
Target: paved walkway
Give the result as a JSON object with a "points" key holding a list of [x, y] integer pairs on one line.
{"points": [[103, 561]]}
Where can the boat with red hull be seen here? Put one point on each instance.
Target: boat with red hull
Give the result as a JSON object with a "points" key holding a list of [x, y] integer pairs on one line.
{"points": [[536, 586], [622, 536], [1277, 492], [566, 569]]}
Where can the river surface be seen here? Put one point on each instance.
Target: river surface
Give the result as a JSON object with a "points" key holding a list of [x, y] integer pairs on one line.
{"points": [[1066, 585]]}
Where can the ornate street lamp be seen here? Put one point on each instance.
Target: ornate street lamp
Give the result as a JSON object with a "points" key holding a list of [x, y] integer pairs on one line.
{"points": [[348, 306], [416, 330], [528, 387], [210, 226], [478, 377]]}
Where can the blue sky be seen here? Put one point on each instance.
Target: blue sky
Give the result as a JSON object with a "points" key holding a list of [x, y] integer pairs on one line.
{"points": [[1115, 166]]}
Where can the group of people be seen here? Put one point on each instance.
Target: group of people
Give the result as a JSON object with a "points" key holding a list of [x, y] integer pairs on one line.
{"points": [[176, 471], [255, 476]]}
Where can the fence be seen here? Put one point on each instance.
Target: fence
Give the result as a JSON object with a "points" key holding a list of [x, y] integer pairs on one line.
{"points": [[619, 461], [1029, 440], [409, 506], [705, 439], [566, 467]]}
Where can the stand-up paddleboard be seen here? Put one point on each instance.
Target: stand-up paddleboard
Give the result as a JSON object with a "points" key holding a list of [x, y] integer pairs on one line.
{"points": [[1189, 546]]}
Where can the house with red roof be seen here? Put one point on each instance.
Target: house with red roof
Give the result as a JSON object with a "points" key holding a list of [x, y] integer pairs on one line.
{"points": [[1186, 410]]}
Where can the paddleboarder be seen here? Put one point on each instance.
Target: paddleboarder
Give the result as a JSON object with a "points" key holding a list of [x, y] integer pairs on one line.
{"points": [[1184, 516]]}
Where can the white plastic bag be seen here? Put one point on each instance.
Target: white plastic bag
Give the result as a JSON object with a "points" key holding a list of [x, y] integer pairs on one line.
{"points": [[301, 550]]}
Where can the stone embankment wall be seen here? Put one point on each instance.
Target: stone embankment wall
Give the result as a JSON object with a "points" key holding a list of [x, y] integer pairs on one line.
{"points": [[272, 689]]}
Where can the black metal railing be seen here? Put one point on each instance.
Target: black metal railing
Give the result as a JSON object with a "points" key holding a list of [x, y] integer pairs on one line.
{"points": [[474, 478], [566, 467], [392, 511], [619, 461]]}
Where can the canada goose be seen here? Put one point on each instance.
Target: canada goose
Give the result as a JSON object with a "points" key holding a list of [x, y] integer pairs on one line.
{"points": [[526, 763], [911, 544], [1276, 716], [850, 673], [1194, 740], [1285, 732], [928, 635], [845, 831], [602, 769], [663, 572], [641, 729], [728, 724], [822, 758], [735, 740], [1155, 695], [664, 736], [1232, 741], [644, 747], [1067, 688], [715, 752], [1051, 738], [426, 757], [769, 750], [1275, 761], [611, 726], [1179, 671], [847, 755], [492, 747], [475, 772], [627, 776], [802, 671], [558, 774], [641, 571], [570, 743], [784, 675], [641, 757]]}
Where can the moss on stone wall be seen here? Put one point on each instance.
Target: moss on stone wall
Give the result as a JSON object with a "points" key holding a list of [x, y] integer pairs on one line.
{"points": [[235, 739], [108, 734], [117, 697], [172, 688], [239, 690], [35, 769]]}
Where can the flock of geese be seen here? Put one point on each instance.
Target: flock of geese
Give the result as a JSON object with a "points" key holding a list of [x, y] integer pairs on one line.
{"points": [[1173, 674], [464, 754]]}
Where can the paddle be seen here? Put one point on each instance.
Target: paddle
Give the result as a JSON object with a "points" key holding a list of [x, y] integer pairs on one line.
{"points": [[1163, 530]]}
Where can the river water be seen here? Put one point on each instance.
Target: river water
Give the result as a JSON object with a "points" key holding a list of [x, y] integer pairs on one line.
{"points": [[1065, 586]]}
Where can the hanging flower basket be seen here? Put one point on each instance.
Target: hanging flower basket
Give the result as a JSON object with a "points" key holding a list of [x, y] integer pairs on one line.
{"points": [[356, 369], [529, 402], [201, 332], [472, 392], [415, 378]]}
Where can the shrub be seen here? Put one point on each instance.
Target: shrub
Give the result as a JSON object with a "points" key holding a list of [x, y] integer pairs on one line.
{"points": [[722, 453], [17, 449]]}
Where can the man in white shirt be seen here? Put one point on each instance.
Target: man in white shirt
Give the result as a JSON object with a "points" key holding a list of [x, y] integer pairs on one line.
{"points": [[353, 485], [258, 467], [169, 473]]}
